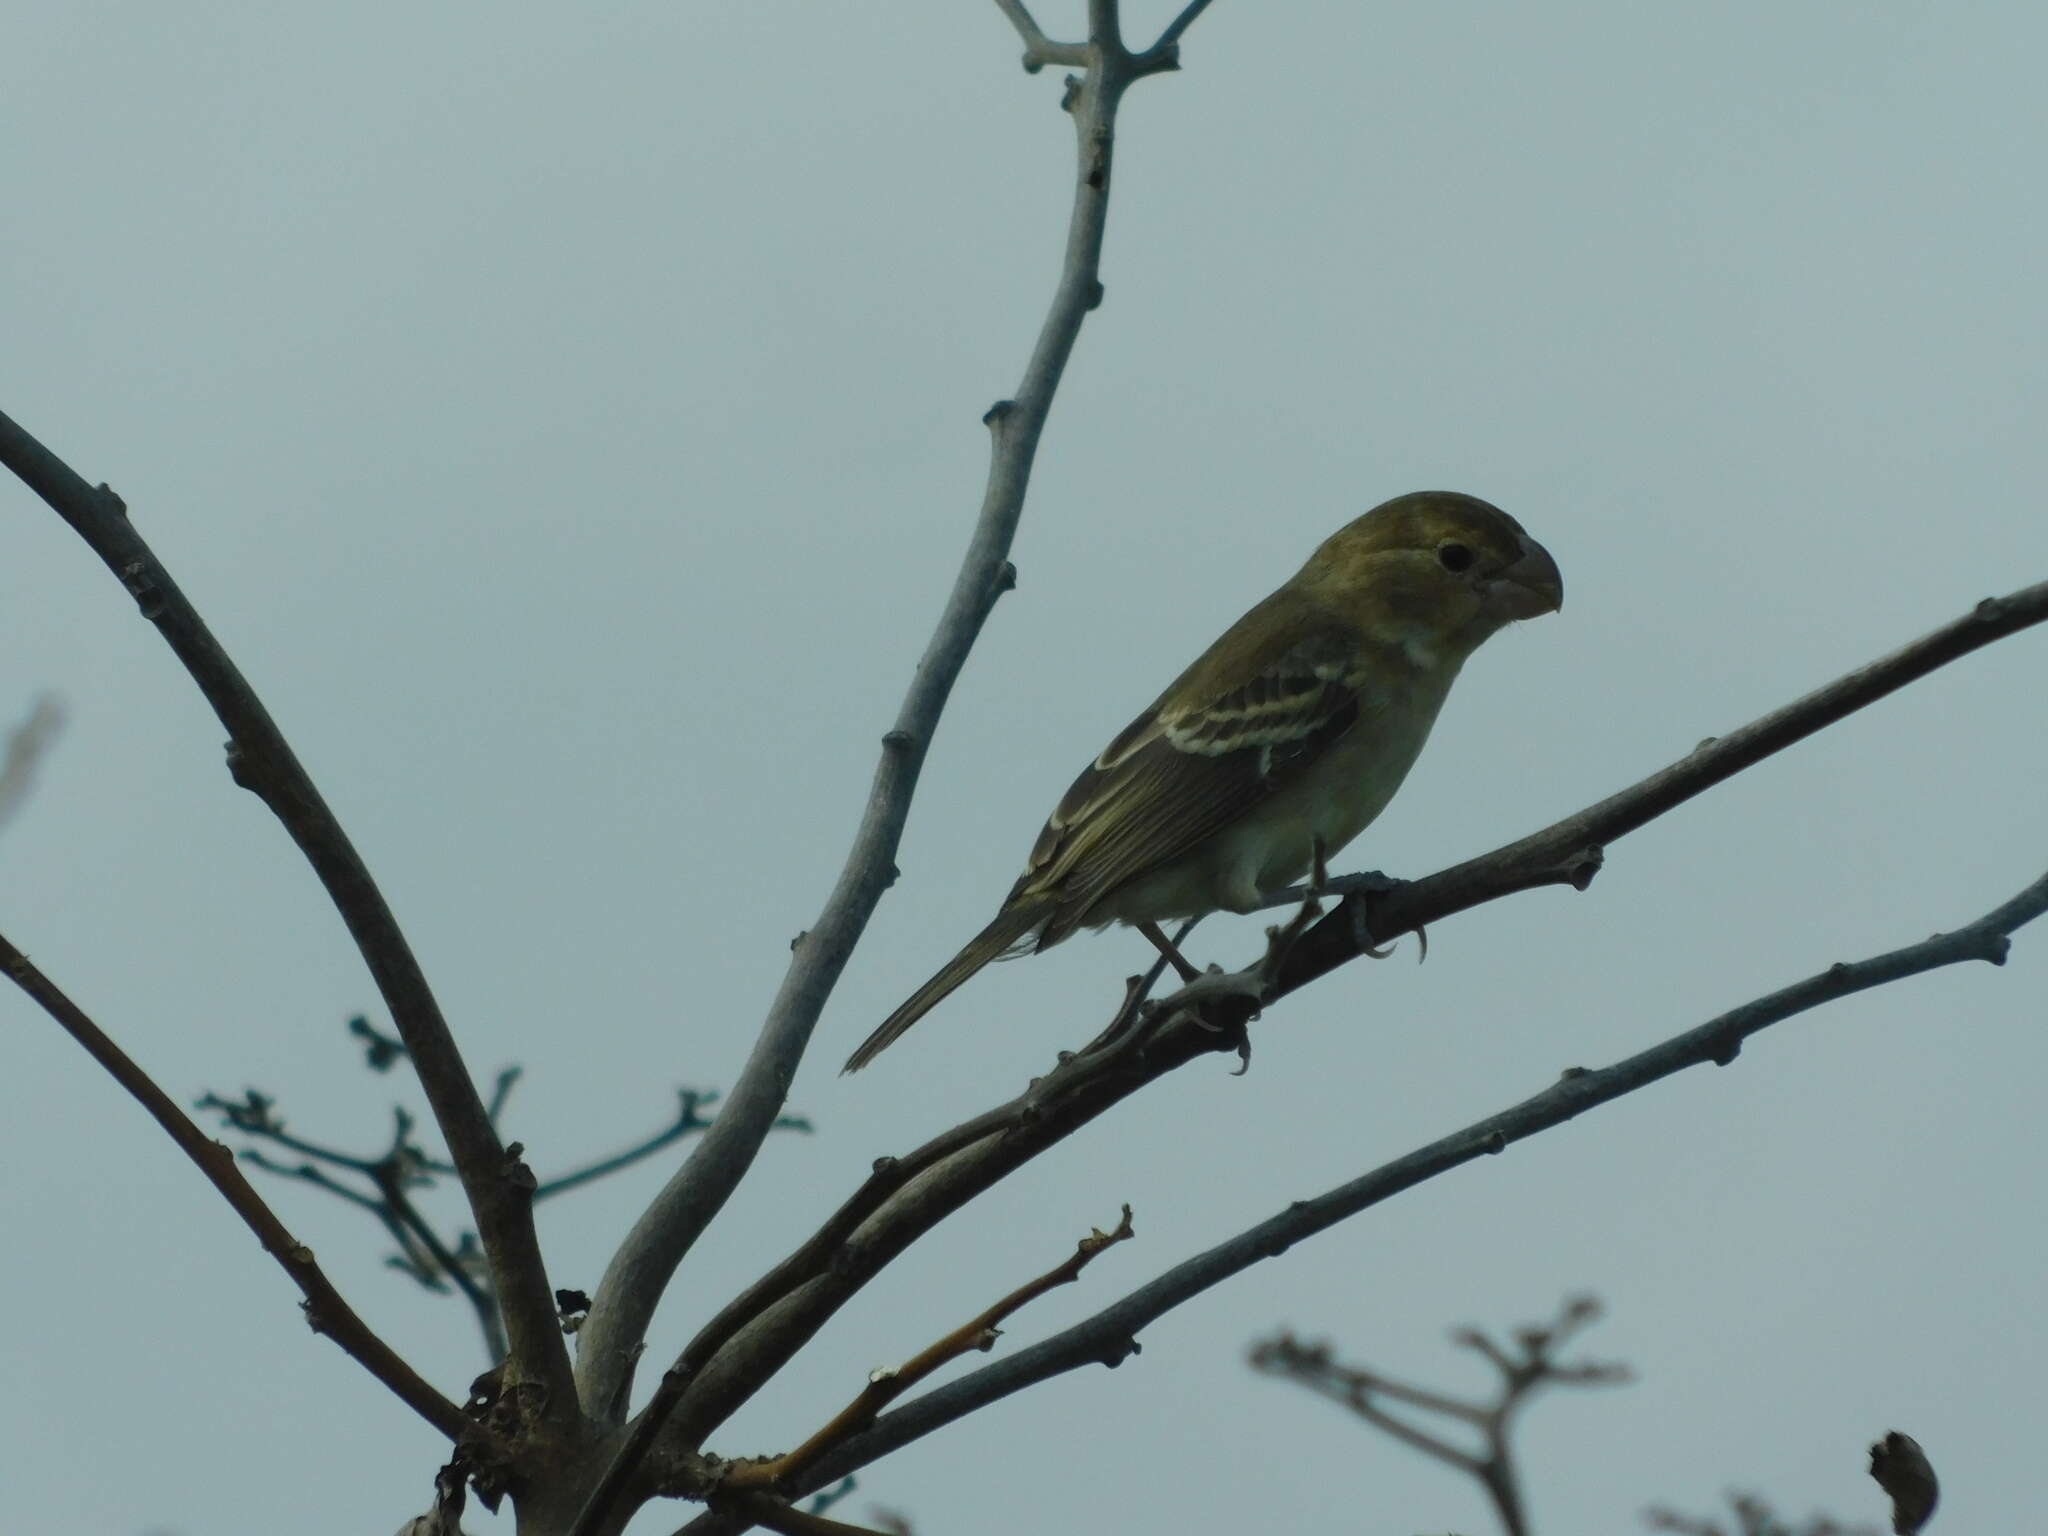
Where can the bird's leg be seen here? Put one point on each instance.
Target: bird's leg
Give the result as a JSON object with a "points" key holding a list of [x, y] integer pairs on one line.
{"points": [[1134, 1009], [1318, 869], [1280, 941], [1168, 949], [1255, 982]]}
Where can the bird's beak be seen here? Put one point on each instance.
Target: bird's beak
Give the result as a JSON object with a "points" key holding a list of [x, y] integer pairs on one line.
{"points": [[1530, 586]]}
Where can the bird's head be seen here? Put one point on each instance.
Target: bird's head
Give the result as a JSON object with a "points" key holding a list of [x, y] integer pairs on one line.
{"points": [[1434, 572]]}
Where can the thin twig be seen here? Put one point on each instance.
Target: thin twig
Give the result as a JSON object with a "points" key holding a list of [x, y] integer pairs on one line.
{"points": [[324, 1307], [688, 1102], [883, 1387], [501, 1092], [761, 1509], [254, 1114], [1179, 24], [313, 1174], [1110, 1335], [1040, 50], [496, 1183], [390, 1180], [424, 1254]]}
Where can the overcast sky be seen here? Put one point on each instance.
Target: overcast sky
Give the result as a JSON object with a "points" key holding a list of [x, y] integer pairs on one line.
{"points": [[569, 418]]}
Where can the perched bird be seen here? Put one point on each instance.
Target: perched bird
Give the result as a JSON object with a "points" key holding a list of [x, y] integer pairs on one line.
{"points": [[1282, 742]]}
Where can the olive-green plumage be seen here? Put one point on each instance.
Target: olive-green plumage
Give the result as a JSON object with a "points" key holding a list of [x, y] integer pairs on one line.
{"points": [[1295, 727]]}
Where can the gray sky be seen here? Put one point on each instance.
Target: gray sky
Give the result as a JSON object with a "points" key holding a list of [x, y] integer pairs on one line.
{"points": [[570, 422]]}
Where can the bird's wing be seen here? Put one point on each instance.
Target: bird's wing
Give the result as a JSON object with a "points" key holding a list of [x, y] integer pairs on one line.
{"points": [[1198, 760]]}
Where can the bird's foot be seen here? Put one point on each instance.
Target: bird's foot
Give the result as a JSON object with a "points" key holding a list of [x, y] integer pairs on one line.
{"points": [[1252, 984], [1371, 882], [1368, 882]]}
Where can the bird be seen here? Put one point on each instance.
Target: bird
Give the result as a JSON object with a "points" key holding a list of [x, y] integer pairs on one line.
{"points": [[1279, 745]]}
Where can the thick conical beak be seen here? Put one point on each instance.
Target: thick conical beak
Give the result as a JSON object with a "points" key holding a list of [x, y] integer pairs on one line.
{"points": [[1531, 585]]}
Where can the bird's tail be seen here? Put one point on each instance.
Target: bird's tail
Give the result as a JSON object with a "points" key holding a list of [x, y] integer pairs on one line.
{"points": [[1012, 925]]}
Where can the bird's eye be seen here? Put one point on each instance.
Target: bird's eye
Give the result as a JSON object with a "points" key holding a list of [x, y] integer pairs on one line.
{"points": [[1454, 557]]}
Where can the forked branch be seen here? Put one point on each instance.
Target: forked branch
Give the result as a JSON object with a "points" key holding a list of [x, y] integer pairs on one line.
{"points": [[497, 1184], [1110, 1334], [884, 1387], [640, 1271], [1526, 1363]]}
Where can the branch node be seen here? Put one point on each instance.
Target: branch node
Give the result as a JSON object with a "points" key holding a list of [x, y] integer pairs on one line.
{"points": [[1121, 1351], [111, 500], [898, 741], [1006, 577], [998, 413], [1494, 1143], [149, 597], [1095, 293], [1586, 865], [797, 943], [513, 1169]]}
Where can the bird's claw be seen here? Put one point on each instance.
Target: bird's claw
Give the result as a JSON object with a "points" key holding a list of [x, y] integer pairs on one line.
{"points": [[1372, 882]]}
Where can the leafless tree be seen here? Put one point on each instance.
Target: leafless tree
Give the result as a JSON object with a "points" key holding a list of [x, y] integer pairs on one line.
{"points": [[562, 1434]]}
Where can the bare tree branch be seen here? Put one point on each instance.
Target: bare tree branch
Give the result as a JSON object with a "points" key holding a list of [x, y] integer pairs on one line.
{"points": [[762, 1509], [754, 1336], [1040, 50], [404, 1165], [1110, 1335], [689, 1117], [640, 1271], [1169, 40], [325, 1309], [1570, 851], [883, 1387], [1529, 1363], [1754, 1516], [497, 1183]]}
